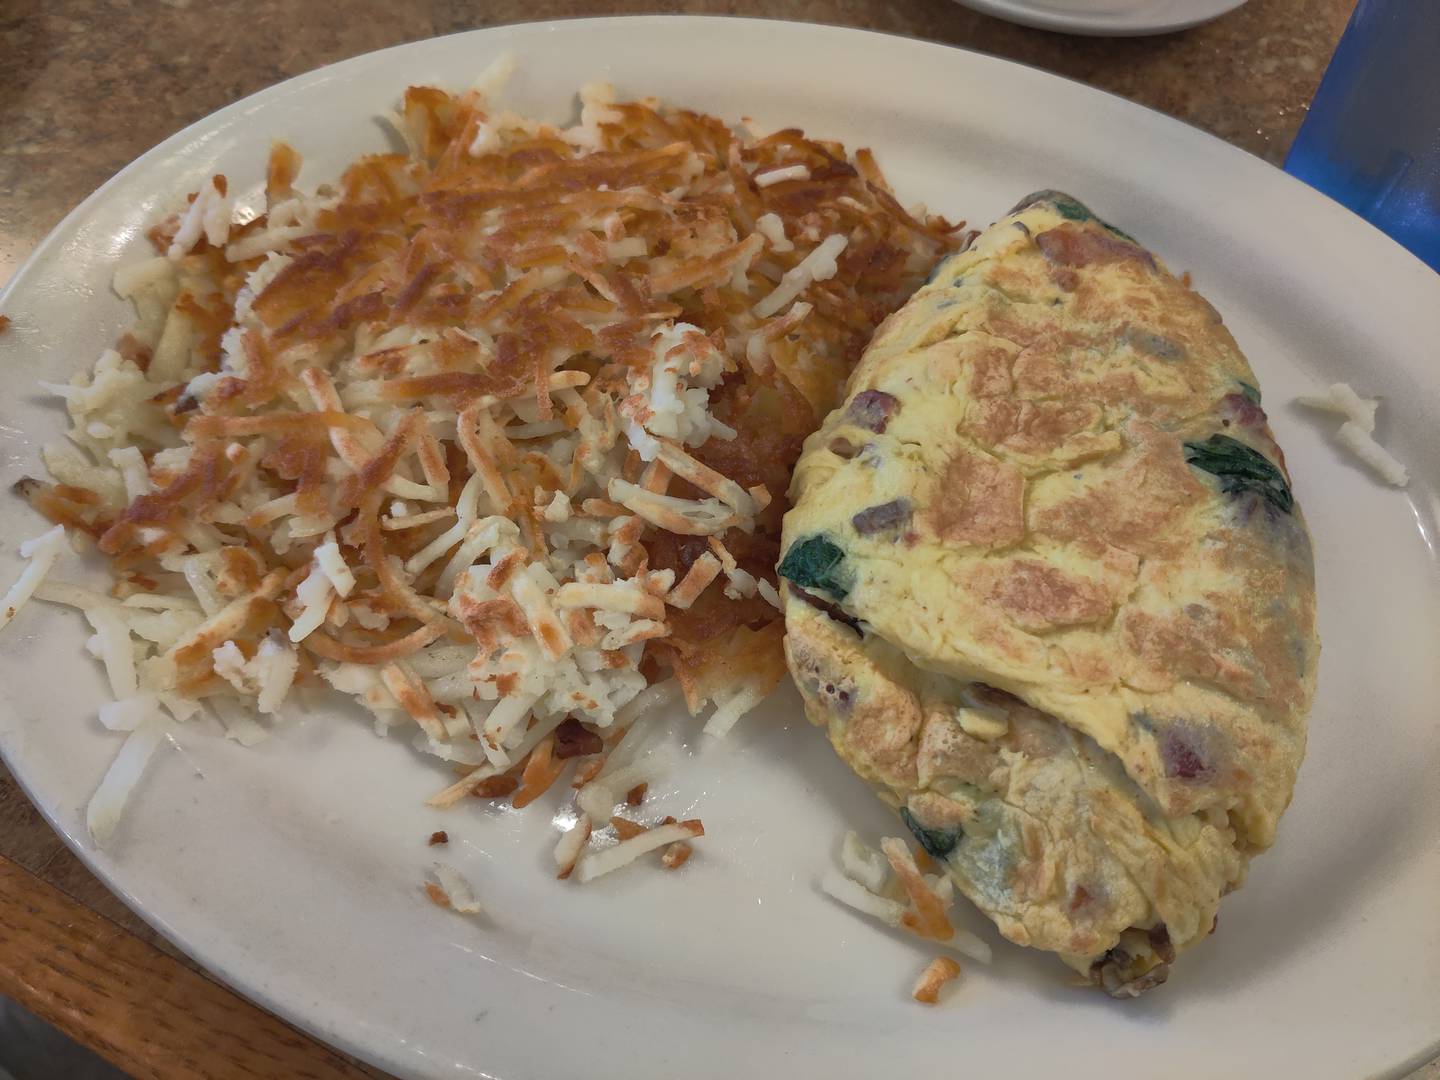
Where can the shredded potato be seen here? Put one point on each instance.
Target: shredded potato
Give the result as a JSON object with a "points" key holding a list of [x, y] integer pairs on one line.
{"points": [[597, 863], [449, 888], [909, 900], [1357, 433], [941, 970], [454, 433]]}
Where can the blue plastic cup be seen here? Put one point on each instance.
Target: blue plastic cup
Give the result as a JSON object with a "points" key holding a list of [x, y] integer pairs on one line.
{"points": [[1372, 138]]}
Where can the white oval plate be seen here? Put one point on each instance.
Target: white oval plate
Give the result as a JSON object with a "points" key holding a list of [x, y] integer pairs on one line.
{"points": [[1106, 18], [293, 870]]}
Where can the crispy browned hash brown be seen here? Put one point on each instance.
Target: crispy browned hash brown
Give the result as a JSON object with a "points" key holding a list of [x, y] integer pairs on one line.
{"points": [[492, 434]]}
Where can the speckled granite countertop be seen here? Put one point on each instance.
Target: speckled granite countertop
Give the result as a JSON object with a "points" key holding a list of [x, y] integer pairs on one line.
{"points": [[91, 84]]}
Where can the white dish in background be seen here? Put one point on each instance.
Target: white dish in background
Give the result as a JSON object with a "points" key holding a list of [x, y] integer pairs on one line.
{"points": [[1106, 18], [293, 870]]}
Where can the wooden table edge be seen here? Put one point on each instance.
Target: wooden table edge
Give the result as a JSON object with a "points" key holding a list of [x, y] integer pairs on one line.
{"points": [[140, 1009]]}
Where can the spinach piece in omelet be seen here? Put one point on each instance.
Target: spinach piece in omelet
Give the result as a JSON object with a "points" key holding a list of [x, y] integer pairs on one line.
{"points": [[1071, 209], [817, 562], [1241, 468], [938, 843]]}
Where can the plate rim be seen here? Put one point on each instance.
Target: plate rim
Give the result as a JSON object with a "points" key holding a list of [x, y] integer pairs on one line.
{"points": [[1080, 24], [259, 992]]}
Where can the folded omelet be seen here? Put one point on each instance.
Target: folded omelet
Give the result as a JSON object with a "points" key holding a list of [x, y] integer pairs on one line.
{"points": [[1049, 592]]}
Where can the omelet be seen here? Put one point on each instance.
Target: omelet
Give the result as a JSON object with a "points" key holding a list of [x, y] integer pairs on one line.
{"points": [[1048, 590]]}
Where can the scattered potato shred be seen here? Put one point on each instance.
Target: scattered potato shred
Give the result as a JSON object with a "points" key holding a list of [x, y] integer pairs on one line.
{"points": [[449, 888], [940, 971], [888, 886], [1356, 434]]}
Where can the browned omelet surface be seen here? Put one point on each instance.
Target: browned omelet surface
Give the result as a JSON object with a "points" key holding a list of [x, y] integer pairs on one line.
{"points": [[1049, 591]]}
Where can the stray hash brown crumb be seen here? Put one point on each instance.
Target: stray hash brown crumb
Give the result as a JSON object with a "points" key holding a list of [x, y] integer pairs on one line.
{"points": [[928, 919], [436, 894], [625, 828], [440, 837], [940, 971]]}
